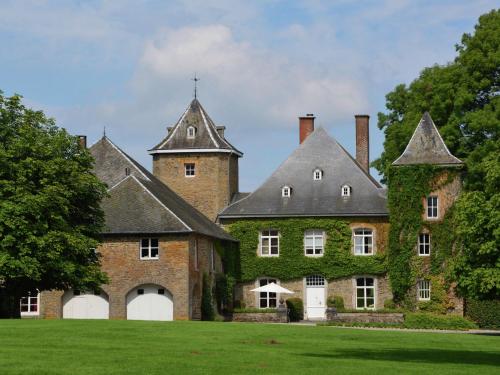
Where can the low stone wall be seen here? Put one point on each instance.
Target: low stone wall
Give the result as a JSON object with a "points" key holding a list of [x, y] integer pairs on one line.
{"points": [[271, 317], [367, 317]]}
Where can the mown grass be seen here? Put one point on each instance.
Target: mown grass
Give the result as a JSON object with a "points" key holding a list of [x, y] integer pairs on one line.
{"points": [[131, 347]]}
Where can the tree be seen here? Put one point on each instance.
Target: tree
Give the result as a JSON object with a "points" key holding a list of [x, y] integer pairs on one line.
{"points": [[463, 98], [50, 215]]}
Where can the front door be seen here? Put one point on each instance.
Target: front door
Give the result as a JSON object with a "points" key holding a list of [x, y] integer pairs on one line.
{"points": [[315, 297]]}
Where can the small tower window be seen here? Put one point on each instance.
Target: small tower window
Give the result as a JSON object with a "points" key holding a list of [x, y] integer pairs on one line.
{"points": [[317, 174], [189, 170], [191, 132], [286, 191], [346, 191]]}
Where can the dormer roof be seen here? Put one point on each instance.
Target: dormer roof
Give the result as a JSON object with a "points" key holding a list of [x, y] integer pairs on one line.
{"points": [[208, 136], [426, 146]]}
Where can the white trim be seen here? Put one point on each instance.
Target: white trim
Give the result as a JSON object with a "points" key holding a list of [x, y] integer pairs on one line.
{"points": [[424, 243], [149, 257], [119, 182], [355, 294], [427, 207], [208, 127], [257, 294], [354, 229], [176, 126], [126, 157], [165, 207], [313, 233], [194, 150], [269, 237], [31, 313], [419, 298]]}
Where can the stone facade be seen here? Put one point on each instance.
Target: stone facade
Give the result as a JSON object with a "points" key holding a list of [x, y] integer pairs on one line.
{"points": [[447, 193], [214, 183]]}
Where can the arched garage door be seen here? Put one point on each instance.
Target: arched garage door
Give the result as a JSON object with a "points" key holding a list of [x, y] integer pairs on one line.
{"points": [[78, 305], [150, 302]]}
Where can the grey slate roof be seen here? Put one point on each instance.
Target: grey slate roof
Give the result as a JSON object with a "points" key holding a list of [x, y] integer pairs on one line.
{"points": [[139, 202], [207, 138], [314, 198], [426, 146]]}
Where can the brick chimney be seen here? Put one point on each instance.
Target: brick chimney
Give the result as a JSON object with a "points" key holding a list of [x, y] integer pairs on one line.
{"points": [[82, 141], [363, 141], [306, 126]]}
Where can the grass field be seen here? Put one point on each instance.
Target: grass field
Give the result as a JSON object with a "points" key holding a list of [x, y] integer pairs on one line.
{"points": [[127, 347]]}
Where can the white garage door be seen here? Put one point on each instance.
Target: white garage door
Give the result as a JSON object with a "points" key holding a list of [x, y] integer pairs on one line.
{"points": [[150, 302], [85, 305]]}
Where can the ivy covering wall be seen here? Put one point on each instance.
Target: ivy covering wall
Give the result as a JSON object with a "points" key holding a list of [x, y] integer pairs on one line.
{"points": [[337, 261]]}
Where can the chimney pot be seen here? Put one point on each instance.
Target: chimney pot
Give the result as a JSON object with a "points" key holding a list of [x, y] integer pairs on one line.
{"points": [[82, 141], [363, 141], [306, 126]]}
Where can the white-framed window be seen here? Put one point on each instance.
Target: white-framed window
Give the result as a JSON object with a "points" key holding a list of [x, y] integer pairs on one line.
{"points": [[363, 241], [424, 290], [212, 258], [432, 207], [346, 191], [149, 248], [317, 174], [196, 255], [189, 169], [267, 300], [365, 293], [286, 191], [269, 243], [30, 304], [424, 244], [314, 242], [315, 280], [191, 132]]}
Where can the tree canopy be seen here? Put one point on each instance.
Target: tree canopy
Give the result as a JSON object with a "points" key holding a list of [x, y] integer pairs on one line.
{"points": [[50, 216], [463, 98]]}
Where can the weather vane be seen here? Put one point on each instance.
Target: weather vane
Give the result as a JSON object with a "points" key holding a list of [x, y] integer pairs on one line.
{"points": [[195, 79]]}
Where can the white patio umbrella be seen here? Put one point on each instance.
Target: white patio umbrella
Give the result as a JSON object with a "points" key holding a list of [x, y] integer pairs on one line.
{"points": [[272, 288]]}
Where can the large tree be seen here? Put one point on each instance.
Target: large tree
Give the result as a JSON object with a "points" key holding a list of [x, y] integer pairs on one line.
{"points": [[50, 216], [463, 98]]}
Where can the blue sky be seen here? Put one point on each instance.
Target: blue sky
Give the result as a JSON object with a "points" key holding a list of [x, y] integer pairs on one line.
{"points": [[127, 65]]}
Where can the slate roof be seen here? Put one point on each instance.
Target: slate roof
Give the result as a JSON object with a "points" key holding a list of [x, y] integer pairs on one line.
{"points": [[140, 203], [426, 146], [207, 138], [310, 197]]}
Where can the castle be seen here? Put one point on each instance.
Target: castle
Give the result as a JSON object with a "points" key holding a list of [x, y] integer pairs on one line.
{"points": [[318, 225]]}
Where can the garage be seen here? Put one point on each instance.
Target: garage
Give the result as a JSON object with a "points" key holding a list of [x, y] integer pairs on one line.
{"points": [[150, 302], [80, 305]]}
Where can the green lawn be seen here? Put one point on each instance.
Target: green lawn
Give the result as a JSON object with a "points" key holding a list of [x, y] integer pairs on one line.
{"points": [[127, 347]]}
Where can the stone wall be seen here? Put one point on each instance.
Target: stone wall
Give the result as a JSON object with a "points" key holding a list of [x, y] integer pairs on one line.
{"points": [[366, 317], [259, 317]]}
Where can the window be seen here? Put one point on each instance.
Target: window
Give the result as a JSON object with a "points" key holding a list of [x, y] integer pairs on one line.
{"points": [[314, 242], [29, 304], [286, 191], [315, 280], [149, 248], [191, 132], [212, 258], [196, 255], [267, 300], [424, 290], [317, 174], [432, 207], [346, 191], [269, 243], [189, 170], [161, 291], [365, 293], [424, 244], [363, 241], [140, 291]]}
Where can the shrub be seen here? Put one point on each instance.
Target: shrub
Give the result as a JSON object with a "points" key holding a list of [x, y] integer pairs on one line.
{"points": [[389, 304], [296, 309], [207, 307], [485, 313], [432, 321], [336, 301]]}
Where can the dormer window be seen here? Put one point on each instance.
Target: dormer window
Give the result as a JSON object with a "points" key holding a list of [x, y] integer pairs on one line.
{"points": [[286, 191], [346, 191], [317, 174], [191, 132]]}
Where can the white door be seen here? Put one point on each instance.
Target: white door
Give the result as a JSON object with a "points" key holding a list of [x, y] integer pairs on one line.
{"points": [[85, 305], [315, 297], [150, 302]]}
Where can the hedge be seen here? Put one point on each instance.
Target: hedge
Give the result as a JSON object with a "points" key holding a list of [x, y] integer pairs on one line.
{"points": [[485, 313], [296, 309], [432, 321]]}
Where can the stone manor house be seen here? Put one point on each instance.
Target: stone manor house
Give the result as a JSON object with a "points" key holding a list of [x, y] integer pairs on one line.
{"points": [[163, 228]]}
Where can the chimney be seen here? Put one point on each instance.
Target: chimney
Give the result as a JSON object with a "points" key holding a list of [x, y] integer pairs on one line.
{"points": [[169, 129], [220, 131], [363, 141], [306, 126], [82, 141]]}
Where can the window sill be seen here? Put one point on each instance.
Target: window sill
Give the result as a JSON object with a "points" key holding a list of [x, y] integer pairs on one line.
{"points": [[424, 255], [269, 256], [314, 255], [149, 258], [30, 314], [364, 255]]}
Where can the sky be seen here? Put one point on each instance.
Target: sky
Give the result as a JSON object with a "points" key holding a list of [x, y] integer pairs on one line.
{"points": [[127, 65]]}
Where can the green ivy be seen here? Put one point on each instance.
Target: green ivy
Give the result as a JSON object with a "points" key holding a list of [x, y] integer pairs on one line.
{"points": [[337, 261]]}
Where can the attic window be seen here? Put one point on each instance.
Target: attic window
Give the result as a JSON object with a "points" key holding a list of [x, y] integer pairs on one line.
{"points": [[346, 191], [191, 132], [286, 191], [317, 174]]}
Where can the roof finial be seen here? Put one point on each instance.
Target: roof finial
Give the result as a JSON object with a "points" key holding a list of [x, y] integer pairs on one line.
{"points": [[104, 131], [195, 79]]}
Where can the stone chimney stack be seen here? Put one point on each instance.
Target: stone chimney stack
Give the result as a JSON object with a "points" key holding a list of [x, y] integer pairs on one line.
{"points": [[306, 126], [363, 141], [82, 141], [220, 130]]}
